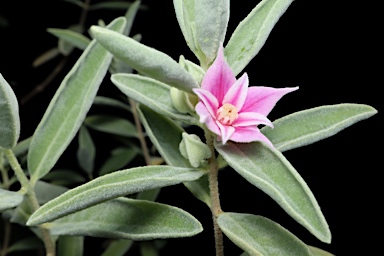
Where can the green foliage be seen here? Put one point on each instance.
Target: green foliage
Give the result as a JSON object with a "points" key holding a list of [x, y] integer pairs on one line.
{"points": [[9, 199], [87, 151], [110, 124], [267, 169], [74, 38], [70, 245]]}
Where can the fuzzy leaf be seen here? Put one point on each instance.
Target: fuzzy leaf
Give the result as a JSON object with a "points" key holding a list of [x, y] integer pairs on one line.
{"points": [[9, 199], [112, 125], [318, 252], [260, 236], [105, 101], [251, 33], [76, 39], [68, 107], [119, 158], [166, 135], [87, 151], [70, 245], [144, 59], [110, 186], [9, 116], [151, 93], [311, 125], [128, 219], [267, 169]]}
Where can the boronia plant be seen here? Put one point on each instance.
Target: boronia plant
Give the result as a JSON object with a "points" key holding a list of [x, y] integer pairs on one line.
{"points": [[166, 97]]}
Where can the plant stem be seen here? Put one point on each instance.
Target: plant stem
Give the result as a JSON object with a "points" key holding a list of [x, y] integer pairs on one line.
{"points": [[140, 132], [31, 196], [214, 193]]}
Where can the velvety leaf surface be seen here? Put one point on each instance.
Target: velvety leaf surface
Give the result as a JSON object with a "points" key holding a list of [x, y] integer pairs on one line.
{"points": [[111, 124], [76, 39], [9, 199]]}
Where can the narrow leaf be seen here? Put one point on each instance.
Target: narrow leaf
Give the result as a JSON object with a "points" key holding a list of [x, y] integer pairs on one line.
{"points": [[128, 219], [120, 157], [260, 236], [26, 244], [318, 252], [251, 33], [144, 59], [64, 177], [267, 169], [105, 101], [68, 107], [9, 199], [111, 124], [76, 39], [151, 93], [9, 116], [311, 125], [166, 135], [110, 186], [45, 57], [118, 248], [130, 16], [87, 151]]}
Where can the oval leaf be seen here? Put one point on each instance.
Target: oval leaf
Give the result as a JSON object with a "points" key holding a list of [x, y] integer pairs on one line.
{"points": [[76, 39], [68, 107], [110, 186], [9, 116], [311, 125], [251, 33], [166, 135], [267, 169], [151, 93], [112, 125], [144, 59], [260, 236], [9, 199], [128, 219]]}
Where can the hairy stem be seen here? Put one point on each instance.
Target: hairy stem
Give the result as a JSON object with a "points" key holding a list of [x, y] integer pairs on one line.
{"points": [[214, 193], [140, 132], [31, 196]]}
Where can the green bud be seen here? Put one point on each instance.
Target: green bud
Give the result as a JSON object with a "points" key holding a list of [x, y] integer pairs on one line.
{"points": [[192, 148], [196, 71], [183, 101]]}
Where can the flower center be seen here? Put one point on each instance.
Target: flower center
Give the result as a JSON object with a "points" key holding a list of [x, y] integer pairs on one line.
{"points": [[227, 114]]}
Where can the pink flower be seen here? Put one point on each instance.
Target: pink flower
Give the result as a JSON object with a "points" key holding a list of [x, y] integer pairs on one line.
{"points": [[232, 110]]}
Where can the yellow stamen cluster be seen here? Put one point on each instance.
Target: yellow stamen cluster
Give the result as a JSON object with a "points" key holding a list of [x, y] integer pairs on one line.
{"points": [[227, 114]]}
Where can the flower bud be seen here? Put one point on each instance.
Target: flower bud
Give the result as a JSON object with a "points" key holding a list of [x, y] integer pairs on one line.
{"points": [[192, 148], [183, 101]]}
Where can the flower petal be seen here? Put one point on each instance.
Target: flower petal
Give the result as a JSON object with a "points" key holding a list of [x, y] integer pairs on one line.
{"points": [[263, 99], [249, 134], [219, 76], [206, 117], [226, 131], [208, 99], [251, 118], [237, 94]]}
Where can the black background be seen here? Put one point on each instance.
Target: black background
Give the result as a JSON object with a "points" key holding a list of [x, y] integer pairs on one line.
{"points": [[328, 49]]}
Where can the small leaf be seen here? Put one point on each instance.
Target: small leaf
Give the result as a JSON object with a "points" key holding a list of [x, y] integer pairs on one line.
{"points": [[45, 57], [166, 135], [9, 116], [45, 191], [100, 100], [251, 33], [196, 71], [112, 125], [311, 125], [260, 236], [70, 245], [128, 219], [144, 59], [130, 16], [120, 157], [9, 199], [118, 5], [267, 169], [26, 244], [118, 248], [74, 38], [87, 151], [64, 177], [318, 252], [68, 108], [113, 185], [151, 93]]}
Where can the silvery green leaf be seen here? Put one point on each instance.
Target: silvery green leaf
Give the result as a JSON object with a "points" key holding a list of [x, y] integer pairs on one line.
{"points": [[260, 236], [128, 219], [9, 199], [105, 101], [72, 37], [9, 116], [68, 108], [111, 124], [311, 125], [45, 57], [166, 135], [130, 16], [251, 33], [64, 177], [45, 191], [119, 158], [267, 169], [109, 186], [86, 151], [144, 59], [196, 71], [318, 252], [151, 93]]}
